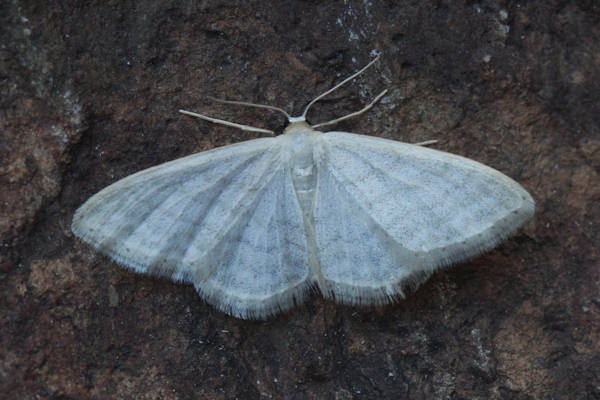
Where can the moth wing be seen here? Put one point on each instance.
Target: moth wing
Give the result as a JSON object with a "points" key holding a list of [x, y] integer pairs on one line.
{"points": [[226, 220], [389, 213]]}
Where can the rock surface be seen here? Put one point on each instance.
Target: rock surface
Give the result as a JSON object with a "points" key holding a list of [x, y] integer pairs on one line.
{"points": [[89, 94]]}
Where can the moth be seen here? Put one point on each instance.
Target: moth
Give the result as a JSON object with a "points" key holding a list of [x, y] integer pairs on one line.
{"points": [[257, 226]]}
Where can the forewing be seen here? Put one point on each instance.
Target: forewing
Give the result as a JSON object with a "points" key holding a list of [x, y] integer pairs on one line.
{"points": [[388, 213], [222, 220]]}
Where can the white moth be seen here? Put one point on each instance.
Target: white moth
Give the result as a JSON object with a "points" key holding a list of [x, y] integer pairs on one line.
{"points": [[255, 226]]}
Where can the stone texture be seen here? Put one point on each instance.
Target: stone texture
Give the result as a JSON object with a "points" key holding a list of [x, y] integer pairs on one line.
{"points": [[89, 94]]}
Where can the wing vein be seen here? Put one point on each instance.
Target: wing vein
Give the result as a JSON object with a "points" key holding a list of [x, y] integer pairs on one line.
{"points": [[179, 243], [384, 176]]}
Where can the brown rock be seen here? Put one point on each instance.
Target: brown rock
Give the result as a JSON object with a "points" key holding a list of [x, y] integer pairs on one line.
{"points": [[89, 94]]}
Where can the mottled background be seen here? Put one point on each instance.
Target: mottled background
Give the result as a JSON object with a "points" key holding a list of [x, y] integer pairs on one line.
{"points": [[90, 93]]}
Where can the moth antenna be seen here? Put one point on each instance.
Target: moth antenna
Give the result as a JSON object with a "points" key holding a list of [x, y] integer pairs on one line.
{"points": [[354, 114], [425, 143], [248, 104], [342, 83], [247, 128]]}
